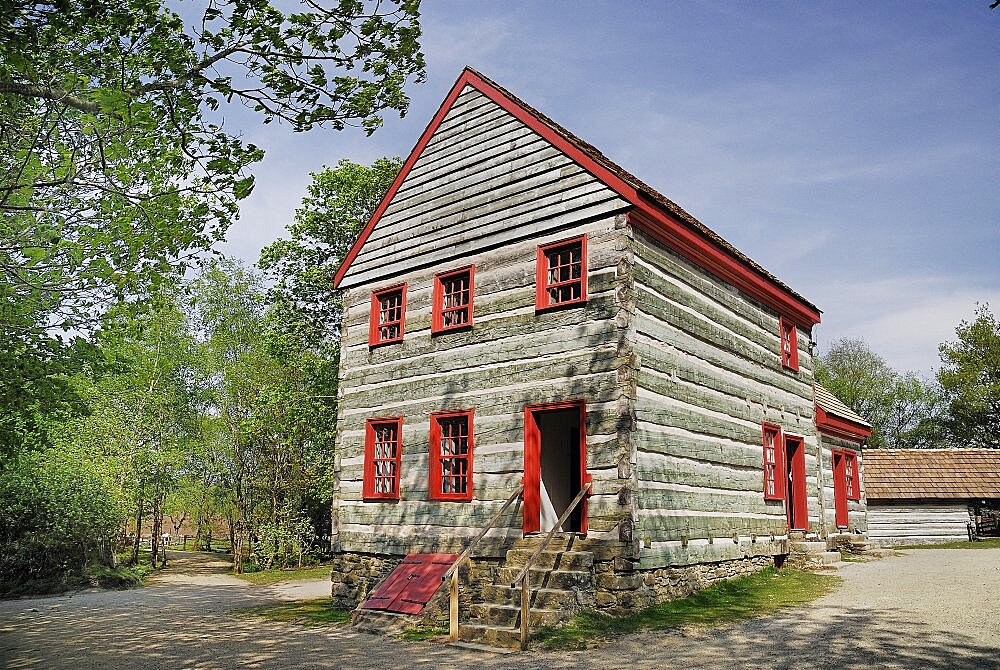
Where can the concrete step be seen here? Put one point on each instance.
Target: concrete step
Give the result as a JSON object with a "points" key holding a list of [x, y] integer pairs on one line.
{"points": [[550, 579], [494, 636], [501, 594], [510, 615], [559, 560]]}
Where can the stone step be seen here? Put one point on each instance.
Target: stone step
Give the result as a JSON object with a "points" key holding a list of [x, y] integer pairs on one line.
{"points": [[485, 648], [510, 615], [828, 557], [559, 560], [502, 594], [380, 621], [494, 636], [810, 547], [545, 578]]}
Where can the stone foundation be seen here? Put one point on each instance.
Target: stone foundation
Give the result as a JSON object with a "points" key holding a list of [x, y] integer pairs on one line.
{"points": [[622, 592]]}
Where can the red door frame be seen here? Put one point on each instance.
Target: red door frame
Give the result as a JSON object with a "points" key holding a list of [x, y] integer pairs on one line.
{"points": [[840, 488], [798, 518], [533, 462]]}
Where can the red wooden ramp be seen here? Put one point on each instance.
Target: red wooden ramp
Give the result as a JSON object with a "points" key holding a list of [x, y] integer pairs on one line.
{"points": [[411, 585]]}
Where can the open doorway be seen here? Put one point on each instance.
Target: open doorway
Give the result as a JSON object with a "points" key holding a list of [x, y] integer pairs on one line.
{"points": [[796, 505], [555, 466]]}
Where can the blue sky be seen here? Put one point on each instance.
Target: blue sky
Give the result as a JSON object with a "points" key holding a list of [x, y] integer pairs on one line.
{"points": [[850, 148]]}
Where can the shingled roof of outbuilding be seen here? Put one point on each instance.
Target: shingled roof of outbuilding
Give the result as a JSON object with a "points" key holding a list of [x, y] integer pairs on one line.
{"points": [[932, 473]]}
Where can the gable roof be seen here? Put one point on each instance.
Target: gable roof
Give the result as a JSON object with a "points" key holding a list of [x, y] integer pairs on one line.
{"points": [[932, 473], [835, 418], [654, 212]]}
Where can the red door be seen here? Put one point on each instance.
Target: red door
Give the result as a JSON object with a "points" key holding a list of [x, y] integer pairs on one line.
{"points": [[840, 488], [411, 585], [533, 458], [796, 504]]}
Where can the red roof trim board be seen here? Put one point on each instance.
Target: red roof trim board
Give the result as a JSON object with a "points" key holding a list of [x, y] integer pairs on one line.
{"points": [[838, 427], [715, 256]]}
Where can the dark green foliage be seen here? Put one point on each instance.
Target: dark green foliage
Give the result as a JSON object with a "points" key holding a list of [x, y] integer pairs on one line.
{"points": [[970, 379], [903, 409]]}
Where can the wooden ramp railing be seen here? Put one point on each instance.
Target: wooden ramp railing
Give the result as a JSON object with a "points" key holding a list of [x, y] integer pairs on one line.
{"points": [[452, 572], [523, 576]]}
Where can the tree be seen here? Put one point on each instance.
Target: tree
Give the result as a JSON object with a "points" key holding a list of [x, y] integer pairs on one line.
{"points": [[340, 201], [902, 408], [114, 162], [970, 378]]}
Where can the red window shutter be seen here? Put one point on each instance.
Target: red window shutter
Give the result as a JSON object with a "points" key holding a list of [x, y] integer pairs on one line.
{"points": [[561, 273], [773, 463], [451, 448], [388, 315], [789, 344], [383, 454], [454, 295]]}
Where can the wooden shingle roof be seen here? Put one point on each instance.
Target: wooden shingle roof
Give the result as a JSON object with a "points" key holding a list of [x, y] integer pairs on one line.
{"points": [[833, 405], [932, 473]]}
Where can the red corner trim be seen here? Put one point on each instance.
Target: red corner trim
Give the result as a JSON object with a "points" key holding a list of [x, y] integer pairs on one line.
{"points": [[650, 217], [838, 427]]}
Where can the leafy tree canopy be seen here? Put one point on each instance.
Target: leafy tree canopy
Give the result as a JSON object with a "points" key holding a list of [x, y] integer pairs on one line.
{"points": [[970, 378], [339, 203], [902, 408]]}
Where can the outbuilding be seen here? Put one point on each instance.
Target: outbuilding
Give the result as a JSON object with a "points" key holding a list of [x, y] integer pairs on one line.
{"points": [[928, 496]]}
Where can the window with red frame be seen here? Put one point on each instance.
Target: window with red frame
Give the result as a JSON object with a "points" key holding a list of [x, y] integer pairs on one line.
{"points": [[851, 475], [451, 456], [453, 296], [774, 478], [383, 447], [388, 312], [561, 273], [789, 344]]}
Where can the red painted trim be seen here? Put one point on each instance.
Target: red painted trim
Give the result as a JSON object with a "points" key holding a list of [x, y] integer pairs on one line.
{"points": [[840, 489], [542, 275], [798, 518], [368, 480], [851, 458], [434, 478], [719, 262], [373, 324], [791, 359], [838, 427], [779, 461], [437, 317], [649, 216], [532, 462]]}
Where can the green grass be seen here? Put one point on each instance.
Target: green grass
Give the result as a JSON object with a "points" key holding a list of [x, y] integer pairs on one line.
{"points": [[275, 576], [754, 595], [421, 633], [317, 612], [91, 576], [991, 543]]}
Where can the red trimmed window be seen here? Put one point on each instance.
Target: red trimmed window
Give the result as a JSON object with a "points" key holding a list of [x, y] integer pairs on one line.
{"points": [[789, 344], [851, 475], [383, 448], [774, 478], [453, 296], [388, 312], [451, 456], [561, 273]]}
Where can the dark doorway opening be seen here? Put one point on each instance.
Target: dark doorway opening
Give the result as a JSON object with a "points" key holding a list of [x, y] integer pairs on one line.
{"points": [[555, 466], [796, 506]]}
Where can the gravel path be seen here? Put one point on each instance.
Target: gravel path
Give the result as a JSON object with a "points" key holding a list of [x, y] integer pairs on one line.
{"points": [[925, 609]]}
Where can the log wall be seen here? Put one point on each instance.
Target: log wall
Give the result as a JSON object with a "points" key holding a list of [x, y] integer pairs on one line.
{"points": [[917, 521], [857, 510], [511, 357], [708, 374]]}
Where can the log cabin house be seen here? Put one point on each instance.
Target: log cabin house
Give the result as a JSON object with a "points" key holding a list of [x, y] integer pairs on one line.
{"points": [[522, 311]]}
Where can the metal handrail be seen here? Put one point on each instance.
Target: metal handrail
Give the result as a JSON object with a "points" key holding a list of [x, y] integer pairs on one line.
{"points": [[452, 572], [523, 577]]}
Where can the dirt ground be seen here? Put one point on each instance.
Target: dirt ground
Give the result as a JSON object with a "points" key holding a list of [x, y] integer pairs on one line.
{"points": [[925, 609]]}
